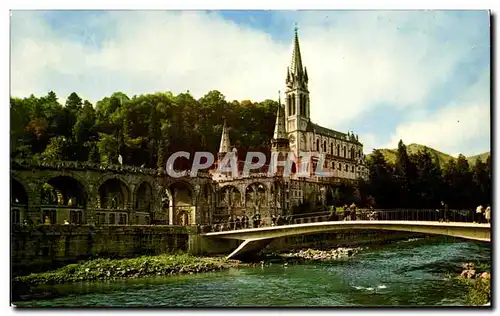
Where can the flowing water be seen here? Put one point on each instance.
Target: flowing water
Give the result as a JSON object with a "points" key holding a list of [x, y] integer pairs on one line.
{"points": [[413, 272]]}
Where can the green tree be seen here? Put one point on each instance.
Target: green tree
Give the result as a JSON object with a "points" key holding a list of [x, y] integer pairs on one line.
{"points": [[404, 175], [381, 181]]}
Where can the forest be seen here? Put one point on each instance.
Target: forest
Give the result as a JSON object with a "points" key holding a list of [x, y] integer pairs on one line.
{"points": [[143, 129]]}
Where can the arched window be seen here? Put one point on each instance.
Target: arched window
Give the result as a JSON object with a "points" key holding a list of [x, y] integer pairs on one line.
{"points": [[317, 144], [324, 146], [340, 166], [299, 105], [304, 105], [289, 103], [331, 149], [346, 168], [338, 150], [352, 169], [345, 152]]}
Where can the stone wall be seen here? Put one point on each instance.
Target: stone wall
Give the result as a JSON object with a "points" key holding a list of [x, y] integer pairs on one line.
{"points": [[337, 239], [38, 248]]}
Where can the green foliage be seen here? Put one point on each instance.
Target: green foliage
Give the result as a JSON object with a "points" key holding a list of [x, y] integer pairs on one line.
{"points": [[108, 269], [417, 181], [439, 157], [143, 129]]}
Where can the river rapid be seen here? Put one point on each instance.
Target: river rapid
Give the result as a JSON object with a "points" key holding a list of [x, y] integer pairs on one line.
{"points": [[414, 272]]}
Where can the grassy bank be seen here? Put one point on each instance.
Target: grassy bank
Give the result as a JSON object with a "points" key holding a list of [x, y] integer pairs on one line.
{"points": [[478, 280], [112, 269]]}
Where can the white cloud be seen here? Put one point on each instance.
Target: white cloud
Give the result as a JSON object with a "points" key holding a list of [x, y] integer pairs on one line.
{"points": [[462, 127], [355, 63]]}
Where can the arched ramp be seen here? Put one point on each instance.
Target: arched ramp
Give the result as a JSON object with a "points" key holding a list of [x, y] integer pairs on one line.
{"points": [[63, 199]]}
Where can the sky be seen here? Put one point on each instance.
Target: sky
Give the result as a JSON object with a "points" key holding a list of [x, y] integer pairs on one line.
{"points": [[419, 76]]}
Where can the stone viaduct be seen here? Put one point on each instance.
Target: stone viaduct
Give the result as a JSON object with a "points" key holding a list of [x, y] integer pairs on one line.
{"points": [[85, 193]]}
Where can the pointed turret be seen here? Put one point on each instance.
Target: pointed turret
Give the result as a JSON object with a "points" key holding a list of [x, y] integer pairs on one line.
{"points": [[225, 145], [280, 140], [279, 127]]}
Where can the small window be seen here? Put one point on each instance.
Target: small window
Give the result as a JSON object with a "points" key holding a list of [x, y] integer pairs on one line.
{"points": [[340, 166], [317, 144], [16, 216], [49, 217], [346, 168], [112, 219], [352, 168]]}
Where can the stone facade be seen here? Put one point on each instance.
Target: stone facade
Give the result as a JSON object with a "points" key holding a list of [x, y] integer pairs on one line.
{"points": [[344, 152], [47, 246], [114, 195], [294, 133]]}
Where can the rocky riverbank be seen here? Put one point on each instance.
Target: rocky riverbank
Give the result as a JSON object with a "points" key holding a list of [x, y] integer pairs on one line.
{"points": [[478, 280], [321, 255], [113, 269]]}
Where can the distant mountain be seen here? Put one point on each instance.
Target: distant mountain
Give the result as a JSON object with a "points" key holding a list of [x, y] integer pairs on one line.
{"points": [[483, 157], [390, 154]]}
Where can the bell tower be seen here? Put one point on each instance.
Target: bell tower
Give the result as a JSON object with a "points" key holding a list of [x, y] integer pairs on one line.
{"points": [[297, 108]]}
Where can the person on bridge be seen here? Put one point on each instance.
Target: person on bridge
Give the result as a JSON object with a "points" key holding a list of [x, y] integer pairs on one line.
{"points": [[353, 211], [479, 214], [346, 212], [487, 214], [273, 220]]}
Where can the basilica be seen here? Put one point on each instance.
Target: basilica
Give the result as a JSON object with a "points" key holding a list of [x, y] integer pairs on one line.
{"points": [[245, 195]]}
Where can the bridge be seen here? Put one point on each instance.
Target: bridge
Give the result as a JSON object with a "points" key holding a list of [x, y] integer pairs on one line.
{"points": [[256, 239]]}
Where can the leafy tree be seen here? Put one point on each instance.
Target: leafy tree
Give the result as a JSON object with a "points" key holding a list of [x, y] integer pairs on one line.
{"points": [[56, 149], [381, 180]]}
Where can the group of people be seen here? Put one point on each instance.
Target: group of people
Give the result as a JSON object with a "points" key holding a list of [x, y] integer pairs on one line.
{"points": [[482, 215], [349, 212]]}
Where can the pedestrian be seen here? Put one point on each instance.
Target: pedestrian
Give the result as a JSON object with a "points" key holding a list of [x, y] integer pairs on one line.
{"points": [[487, 214], [66, 222], [238, 223], [47, 220], [479, 214], [273, 220], [353, 212], [346, 212]]}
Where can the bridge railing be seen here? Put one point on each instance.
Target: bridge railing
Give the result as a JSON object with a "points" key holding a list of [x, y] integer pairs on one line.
{"points": [[437, 215]]}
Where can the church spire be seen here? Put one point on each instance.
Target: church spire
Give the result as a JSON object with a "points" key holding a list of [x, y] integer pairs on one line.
{"points": [[279, 127], [296, 73], [225, 145], [296, 64]]}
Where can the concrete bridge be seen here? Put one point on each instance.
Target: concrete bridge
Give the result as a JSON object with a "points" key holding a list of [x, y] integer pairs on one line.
{"points": [[256, 239]]}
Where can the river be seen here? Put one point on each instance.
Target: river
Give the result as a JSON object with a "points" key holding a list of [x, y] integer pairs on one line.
{"points": [[412, 272]]}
